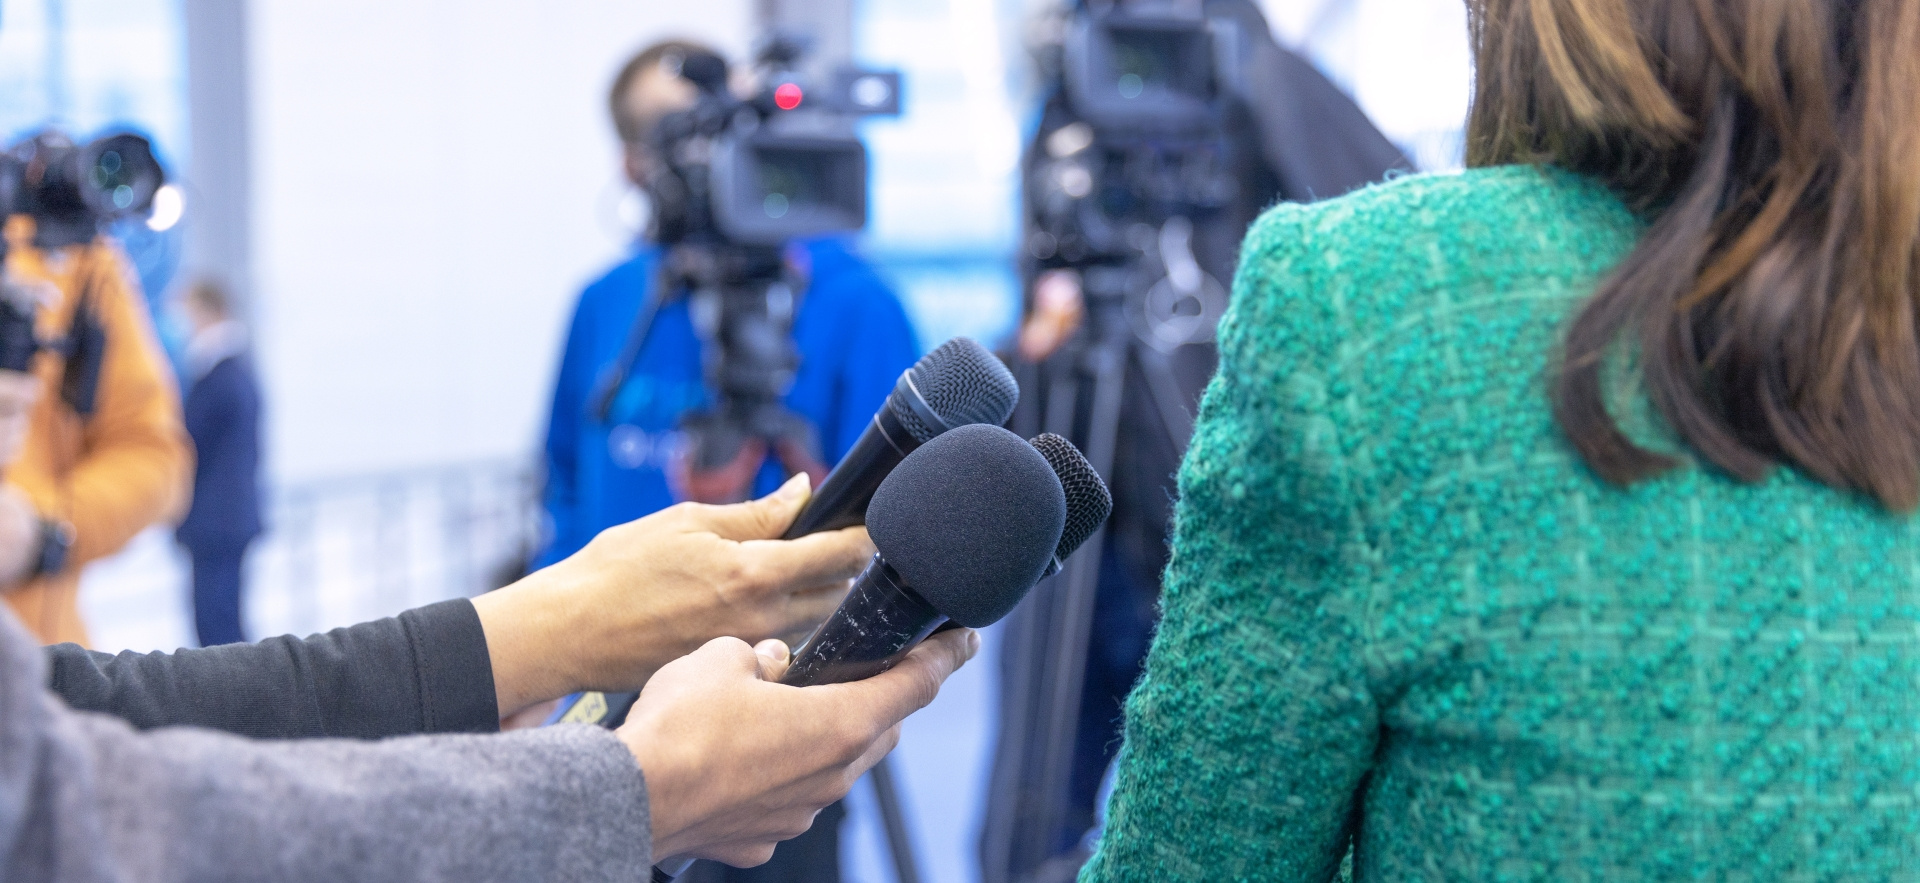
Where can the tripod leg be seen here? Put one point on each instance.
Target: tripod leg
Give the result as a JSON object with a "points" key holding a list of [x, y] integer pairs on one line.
{"points": [[1010, 842], [899, 840], [1067, 654]]}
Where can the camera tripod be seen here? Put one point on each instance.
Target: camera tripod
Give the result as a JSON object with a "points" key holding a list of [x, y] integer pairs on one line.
{"points": [[1136, 313]]}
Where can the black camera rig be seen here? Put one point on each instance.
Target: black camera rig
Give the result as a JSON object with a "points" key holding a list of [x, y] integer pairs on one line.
{"points": [[1133, 170], [1136, 157], [733, 182], [70, 191]]}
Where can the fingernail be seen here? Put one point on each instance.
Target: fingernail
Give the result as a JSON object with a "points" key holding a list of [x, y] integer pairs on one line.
{"points": [[796, 487], [772, 647], [973, 643]]}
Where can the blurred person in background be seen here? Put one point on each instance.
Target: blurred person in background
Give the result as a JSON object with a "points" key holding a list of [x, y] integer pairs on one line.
{"points": [[607, 468], [84, 485], [1556, 519], [1288, 134], [223, 418]]}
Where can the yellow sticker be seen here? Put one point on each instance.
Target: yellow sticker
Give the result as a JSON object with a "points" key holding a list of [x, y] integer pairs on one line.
{"points": [[588, 709]]}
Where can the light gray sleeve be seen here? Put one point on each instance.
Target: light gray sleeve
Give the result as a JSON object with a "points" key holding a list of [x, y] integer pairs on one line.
{"points": [[85, 798]]}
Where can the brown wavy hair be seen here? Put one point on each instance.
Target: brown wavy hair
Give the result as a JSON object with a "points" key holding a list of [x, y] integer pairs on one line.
{"points": [[1774, 145]]}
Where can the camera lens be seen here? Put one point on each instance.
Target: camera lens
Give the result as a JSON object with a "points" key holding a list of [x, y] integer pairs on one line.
{"points": [[121, 174]]}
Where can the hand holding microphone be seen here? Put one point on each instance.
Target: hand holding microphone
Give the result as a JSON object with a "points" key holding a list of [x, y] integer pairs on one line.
{"points": [[736, 762], [965, 527]]}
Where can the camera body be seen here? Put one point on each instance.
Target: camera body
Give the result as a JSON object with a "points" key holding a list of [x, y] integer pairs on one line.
{"points": [[71, 191], [1136, 158], [782, 165], [734, 183], [1145, 89]]}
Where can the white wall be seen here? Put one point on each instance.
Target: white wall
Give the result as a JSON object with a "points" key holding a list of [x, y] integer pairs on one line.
{"points": [[1407, 63], [433, 184]]}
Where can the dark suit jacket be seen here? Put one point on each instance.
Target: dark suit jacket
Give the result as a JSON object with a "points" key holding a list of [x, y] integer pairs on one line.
{"points": [[223, 417]]}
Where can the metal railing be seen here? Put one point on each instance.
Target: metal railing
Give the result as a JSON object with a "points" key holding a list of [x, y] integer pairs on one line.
{"points": [[336, 552]]}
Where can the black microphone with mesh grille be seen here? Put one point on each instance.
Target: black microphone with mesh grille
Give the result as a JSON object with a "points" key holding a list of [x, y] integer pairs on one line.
{"points": [[1088, 500], [958, 384]]}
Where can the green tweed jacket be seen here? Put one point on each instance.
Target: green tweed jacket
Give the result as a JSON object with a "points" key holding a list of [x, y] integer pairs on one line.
{"points": [[1403, 617]]}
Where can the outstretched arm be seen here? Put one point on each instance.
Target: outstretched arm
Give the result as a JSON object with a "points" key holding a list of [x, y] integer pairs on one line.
{"points": [[424, 671]]}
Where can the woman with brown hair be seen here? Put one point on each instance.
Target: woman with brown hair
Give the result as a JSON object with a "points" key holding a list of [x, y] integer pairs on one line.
{"points": [[1554, 520]]}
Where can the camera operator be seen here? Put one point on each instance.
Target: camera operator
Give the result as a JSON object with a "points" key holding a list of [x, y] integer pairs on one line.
{"points": [[87, 479], [1160, 196], [636, 365], [610, 452]]}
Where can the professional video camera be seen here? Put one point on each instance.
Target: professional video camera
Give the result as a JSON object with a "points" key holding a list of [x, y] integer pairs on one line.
{"points": [[737, 180], [71, 191], [1142, 157]]}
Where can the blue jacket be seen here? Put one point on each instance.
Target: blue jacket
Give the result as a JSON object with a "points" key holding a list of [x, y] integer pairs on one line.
{"points": [[223, 417], [854, 341]]}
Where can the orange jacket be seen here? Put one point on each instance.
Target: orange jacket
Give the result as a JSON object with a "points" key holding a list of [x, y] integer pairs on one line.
{"points": [[116, 473]]}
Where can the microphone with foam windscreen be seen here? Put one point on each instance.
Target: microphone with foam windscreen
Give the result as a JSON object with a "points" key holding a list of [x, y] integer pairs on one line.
{"points": [[1088, 500], [962, 527], [965, 525], [958, 384]]}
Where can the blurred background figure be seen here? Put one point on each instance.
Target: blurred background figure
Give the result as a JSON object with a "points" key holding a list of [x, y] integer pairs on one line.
{"points": [[223, 418], [1165, 129], [636, 359], [106, 456]]}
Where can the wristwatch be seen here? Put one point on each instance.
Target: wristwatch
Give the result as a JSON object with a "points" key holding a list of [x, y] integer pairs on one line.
{"points": [[56, 539]]}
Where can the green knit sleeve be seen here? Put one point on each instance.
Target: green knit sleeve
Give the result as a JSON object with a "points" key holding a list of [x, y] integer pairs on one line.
{"points": [[1248, 736]]}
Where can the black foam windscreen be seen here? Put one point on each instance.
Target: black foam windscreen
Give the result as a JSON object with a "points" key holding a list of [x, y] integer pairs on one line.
{"points": [[969, 520], [1088, 500], [962, 382]]}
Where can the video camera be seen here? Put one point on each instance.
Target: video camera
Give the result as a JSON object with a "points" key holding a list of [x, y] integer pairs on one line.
{"points": [[1136, 157], [71, 191], [734, 182], [781, 165]]}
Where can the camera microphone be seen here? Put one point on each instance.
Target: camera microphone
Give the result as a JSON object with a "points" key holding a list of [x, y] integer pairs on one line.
{"points": [[958, 384], [964, 527]]}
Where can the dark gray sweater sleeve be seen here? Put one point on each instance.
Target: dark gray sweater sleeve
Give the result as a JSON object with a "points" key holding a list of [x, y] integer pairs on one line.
{"points": [[424, 671], [86, 798]]}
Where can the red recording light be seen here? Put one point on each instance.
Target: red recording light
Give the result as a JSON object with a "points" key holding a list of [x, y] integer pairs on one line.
{"points": [[787, 96]]}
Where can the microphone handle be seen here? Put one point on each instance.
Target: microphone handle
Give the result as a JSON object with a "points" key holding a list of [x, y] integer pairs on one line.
{"points": [[876, 625], [841, 500]]}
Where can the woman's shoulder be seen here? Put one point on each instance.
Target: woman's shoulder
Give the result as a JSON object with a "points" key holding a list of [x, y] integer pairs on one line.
{"points": [[1391, 247], [1518, 211]]}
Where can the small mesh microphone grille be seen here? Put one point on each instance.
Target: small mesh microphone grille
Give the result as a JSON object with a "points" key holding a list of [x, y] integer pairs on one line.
{"points": [[962, 382], [1088, 501], [969, 520]]}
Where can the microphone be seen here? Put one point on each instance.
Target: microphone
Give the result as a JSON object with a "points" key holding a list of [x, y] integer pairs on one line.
{"points": [[1088, 500], [957, 384], [964, 526]]}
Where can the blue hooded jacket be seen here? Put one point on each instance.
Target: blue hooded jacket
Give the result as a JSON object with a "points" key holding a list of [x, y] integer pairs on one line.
{"points": [[854, 341]]}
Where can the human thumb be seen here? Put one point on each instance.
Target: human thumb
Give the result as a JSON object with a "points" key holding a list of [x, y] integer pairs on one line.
{"points": [[767, 517]]}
